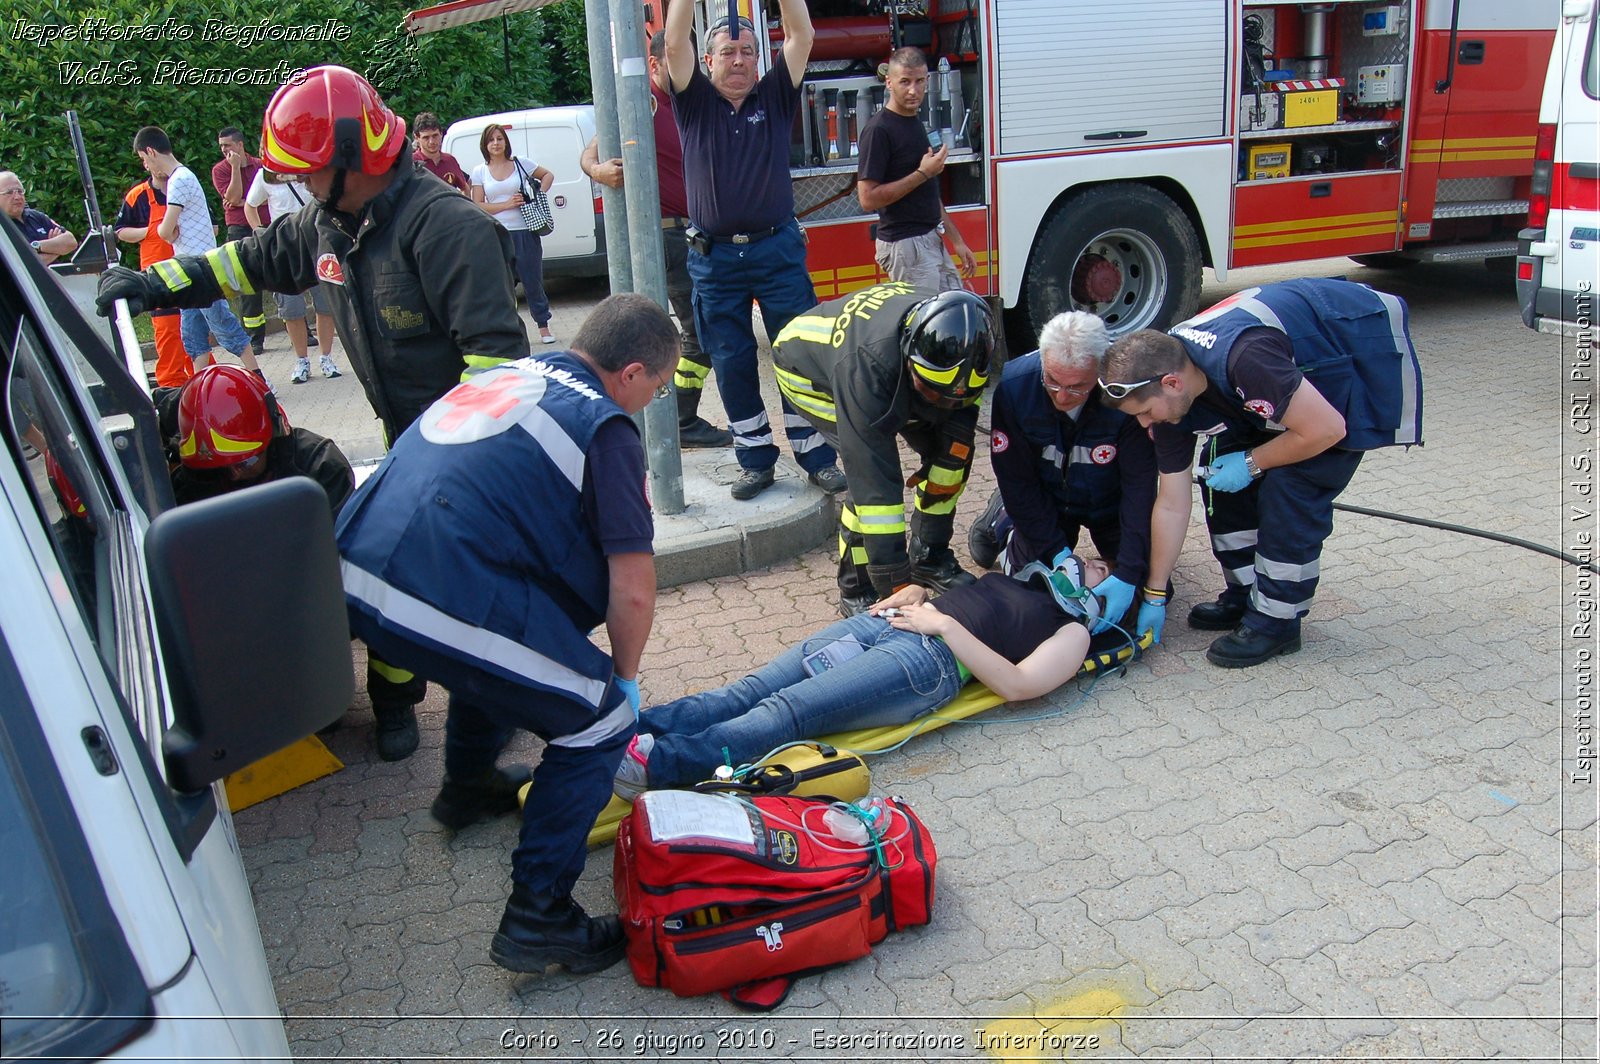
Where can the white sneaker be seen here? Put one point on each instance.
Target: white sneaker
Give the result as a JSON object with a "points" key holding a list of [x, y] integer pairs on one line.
{"points": [[631, 779], [302, 371], [329, 370]]}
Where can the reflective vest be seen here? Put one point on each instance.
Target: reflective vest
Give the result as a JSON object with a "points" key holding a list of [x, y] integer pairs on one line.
{"points": [[1350, 341], [470, 537], [1064, 450]]}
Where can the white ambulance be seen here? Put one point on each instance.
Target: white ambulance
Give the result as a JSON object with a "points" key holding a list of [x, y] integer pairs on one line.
{"points": [[1558, 265], [145, 652]]}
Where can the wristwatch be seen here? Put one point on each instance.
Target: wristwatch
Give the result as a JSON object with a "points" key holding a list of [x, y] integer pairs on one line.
{"points": [[1251, 467], [34, 244]]}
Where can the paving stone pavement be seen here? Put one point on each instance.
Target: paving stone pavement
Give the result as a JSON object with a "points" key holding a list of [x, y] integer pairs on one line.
{"points": [[1372, 849]]}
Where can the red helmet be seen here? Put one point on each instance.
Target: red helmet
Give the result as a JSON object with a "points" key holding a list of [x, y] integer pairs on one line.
{"points": [[330, 116], [225, 415]]}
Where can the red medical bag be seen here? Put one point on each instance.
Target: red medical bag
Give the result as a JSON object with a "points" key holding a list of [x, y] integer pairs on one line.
{"points": [[741, 895]]}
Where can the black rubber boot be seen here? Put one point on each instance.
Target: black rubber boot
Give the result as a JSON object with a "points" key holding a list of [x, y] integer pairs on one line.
{"points": [[936, 568], [538, 930], [1223, 615], [982, 543], [854, 605], [464, 802], [396, 732], [1244, 646]]}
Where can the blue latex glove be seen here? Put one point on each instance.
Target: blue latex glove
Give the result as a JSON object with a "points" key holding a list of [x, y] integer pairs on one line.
{"points": [[631, 689], [1118, 596], [1152, 618], [1228, 473]]}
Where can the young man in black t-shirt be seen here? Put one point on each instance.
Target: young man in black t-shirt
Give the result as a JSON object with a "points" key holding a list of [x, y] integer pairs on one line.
{"points": [[898, 177]]}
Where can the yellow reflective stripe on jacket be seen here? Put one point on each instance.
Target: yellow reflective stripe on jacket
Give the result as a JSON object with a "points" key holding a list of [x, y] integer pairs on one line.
{"points": [[229, 271], [479, 363], [171, 274], [818, 330], [805, 396], [389, 672]]}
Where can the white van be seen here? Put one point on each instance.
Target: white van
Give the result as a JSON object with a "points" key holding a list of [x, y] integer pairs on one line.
{"points": [[1558, 264], [554, 138], [143, 656]]}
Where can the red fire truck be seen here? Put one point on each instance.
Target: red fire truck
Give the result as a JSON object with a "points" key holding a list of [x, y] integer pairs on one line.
{"points": [[1105, 151]]}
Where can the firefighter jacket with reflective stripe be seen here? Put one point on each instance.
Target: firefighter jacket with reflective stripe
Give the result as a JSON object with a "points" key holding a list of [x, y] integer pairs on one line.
{"points": [[1351, 342], [470, 538], [419, 283], [1054, 470], [840, 366]]}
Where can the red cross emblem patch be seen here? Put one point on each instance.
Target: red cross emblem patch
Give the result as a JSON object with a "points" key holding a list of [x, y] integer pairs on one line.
{"points": [[478, 408], [1103, 454]]}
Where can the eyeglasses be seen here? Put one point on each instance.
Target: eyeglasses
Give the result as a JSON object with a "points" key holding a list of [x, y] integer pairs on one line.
{"points": [[664, 391], [11, 192], [1122, 391], [1058, 389]]}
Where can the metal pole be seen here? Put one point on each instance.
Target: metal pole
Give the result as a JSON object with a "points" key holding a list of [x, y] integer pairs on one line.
{"points": [[603, 80], [643, 193]]}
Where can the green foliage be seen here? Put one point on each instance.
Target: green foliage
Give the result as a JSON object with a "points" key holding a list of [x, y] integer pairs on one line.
{"points": [[118, 85]]}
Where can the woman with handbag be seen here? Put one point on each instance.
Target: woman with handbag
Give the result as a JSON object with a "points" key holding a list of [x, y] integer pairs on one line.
{"points": [[503, 186]]}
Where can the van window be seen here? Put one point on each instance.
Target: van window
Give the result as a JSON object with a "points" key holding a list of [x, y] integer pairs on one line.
{"points": [[1591, 62], [69, 986]]}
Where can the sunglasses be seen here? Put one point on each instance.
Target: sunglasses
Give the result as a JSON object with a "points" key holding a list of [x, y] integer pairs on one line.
{"points": [[1121, 391]]}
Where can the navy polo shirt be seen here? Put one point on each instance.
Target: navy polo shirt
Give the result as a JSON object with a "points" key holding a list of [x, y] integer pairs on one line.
{"points": [[736, 160], [35, 225]]}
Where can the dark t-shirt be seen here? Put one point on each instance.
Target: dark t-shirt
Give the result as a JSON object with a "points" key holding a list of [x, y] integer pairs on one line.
{"points": [[619, 515], [891, 147], [221, 174], [1006, 615], [35, 225], [736, 162], [447, 169], [669, 156], [1262, 373]]}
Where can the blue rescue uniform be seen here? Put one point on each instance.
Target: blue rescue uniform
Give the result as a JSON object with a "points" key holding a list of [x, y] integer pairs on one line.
{"points": [[474, 558], [1059, 473], [1352, 344]]}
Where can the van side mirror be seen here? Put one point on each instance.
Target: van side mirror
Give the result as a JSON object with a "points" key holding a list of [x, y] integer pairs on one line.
{"points": [[249, 609]]}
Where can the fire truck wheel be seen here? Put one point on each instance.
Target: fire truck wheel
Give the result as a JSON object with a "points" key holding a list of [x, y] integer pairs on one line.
{"points": [[1125, 252]]}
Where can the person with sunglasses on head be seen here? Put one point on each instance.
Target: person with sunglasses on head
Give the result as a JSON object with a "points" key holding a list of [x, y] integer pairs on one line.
{"points": [[869, 369], [1287, 385], [1066, 460]]}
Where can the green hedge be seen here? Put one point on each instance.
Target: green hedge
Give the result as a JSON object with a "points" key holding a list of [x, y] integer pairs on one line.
{"points": [[124, 82]]}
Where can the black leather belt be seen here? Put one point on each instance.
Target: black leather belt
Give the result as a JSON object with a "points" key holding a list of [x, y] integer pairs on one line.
{"points": [[750, 238]]}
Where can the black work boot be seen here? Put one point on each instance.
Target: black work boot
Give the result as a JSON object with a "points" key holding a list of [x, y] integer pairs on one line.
{"points": [[464, 802], [1223, 615], [1245, 646], [396, 731], [538, 930], [699, 432], [982, 543], [936, 568], [853, 605]]}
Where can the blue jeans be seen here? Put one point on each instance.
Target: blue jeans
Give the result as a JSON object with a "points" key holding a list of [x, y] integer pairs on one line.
{"points": [[771, 271], [900, 677], [217, 319], [527, 253]]}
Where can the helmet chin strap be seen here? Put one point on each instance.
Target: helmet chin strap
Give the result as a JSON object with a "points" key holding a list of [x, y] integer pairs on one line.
{"points": [[335, 191]]}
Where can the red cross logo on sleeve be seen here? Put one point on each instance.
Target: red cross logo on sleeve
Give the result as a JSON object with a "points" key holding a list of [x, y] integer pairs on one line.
{"points": [[491, 400]]}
